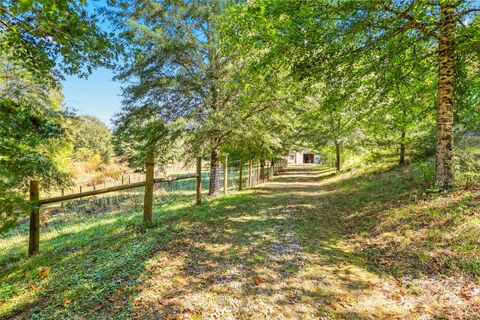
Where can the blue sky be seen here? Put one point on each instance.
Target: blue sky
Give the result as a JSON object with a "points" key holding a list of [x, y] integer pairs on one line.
{"points": [[98, 95]]}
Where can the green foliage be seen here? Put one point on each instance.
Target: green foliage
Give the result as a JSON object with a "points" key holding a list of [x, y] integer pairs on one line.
{"points": [[39, 41], [184, 73], [90, 136], [467, 161], [176, 76], [268, 134], [25, 131], [141, 129], [424, 173], [51, 35], [391, 45]]}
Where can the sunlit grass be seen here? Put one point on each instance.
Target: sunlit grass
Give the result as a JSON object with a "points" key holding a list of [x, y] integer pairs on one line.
{"points": [[311, 242]]}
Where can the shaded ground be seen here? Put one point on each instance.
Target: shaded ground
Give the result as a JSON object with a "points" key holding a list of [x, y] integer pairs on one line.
{"points": [[308, 245]]}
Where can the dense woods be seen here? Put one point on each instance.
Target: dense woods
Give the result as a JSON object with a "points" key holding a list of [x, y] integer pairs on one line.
{"points": [[360, 83]]}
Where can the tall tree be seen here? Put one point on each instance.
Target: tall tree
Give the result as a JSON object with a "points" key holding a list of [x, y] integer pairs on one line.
{"points": [[181, 66], [405, 114], [336, 108], [30, 130], [39, 42], [176, 65], [303, 32], [139, 130]]}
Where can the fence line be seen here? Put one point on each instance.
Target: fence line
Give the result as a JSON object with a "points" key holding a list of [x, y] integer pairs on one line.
{"points": [[233, 176]]}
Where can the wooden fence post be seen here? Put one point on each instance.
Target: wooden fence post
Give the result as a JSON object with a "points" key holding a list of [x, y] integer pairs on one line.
{"points": [[272, 168], [265, 171], [225, 176], [240, 175], [262, 171], [34, 236], [250, 173], [258, 173], [199, 181], [148, 197]]}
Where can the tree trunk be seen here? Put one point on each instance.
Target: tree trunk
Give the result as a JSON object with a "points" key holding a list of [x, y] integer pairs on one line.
{"points": [[446, 96], [262, 170], [214, 187], [402, 149], [337, 157]]}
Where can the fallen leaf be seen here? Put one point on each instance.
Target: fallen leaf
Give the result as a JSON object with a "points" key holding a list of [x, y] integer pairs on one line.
{"points": [[476, 301], [397, 296], [258, 281], [351, 300], [180, 280], [44, 272], [119, 293], [66, 301]]}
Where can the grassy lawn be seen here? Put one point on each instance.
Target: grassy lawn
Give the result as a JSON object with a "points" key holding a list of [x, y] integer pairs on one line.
{"points": [[310, 244]]}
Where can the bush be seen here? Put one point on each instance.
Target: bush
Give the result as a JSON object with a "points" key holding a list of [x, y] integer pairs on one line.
{"points": [[93, 164]]}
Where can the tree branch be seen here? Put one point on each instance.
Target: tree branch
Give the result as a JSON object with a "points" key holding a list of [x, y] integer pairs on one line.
{"points": [[414, 22], [467, 11]]}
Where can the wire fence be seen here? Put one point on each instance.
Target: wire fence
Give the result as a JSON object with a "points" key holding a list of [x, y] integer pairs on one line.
{"points": [[164, 192], [137, 193]]}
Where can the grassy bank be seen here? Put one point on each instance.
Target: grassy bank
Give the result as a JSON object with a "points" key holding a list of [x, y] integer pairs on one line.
{"points": [[312, 243]]}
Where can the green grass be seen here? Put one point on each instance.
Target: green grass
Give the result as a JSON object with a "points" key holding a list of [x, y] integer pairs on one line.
{"points": [[311, 244]]}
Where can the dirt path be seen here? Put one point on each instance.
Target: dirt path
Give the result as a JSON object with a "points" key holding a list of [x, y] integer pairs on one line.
{"points": [[311, 244], [279, 252]]}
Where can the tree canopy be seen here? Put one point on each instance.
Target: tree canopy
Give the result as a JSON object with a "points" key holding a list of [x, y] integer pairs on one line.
{"points": [[251, 80]]}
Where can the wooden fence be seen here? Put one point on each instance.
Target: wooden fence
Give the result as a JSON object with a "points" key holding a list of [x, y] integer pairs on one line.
{"points": [[263, 172]]}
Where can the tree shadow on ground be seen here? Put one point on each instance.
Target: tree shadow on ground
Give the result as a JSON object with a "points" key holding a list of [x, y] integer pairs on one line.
{"points": [[260, 251], [278, 250], [284, 254]]}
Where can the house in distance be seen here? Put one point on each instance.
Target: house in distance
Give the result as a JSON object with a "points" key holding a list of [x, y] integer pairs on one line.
{"points": [[298, 157]]}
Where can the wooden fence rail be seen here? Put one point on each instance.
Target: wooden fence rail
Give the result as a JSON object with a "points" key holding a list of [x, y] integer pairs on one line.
{"points": [[36, 202], [110, 189]]}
